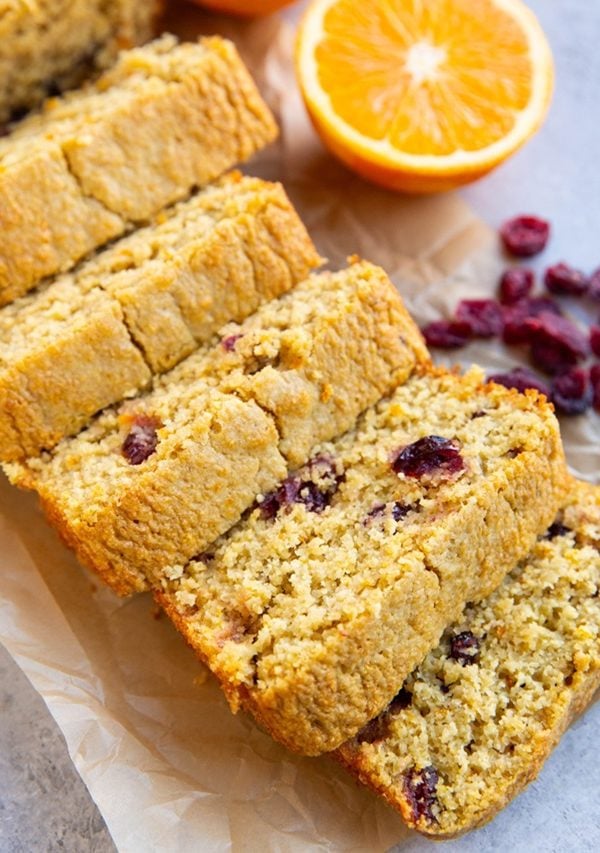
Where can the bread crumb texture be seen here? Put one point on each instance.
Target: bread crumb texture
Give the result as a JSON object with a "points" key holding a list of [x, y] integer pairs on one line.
{"points": [[97, 335], [55, 44], [314, 609], [224, 426], [474, 723], [166, 118]]}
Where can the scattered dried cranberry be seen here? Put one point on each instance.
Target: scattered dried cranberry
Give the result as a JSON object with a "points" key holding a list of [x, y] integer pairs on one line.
{"points": [[560, 333], [525, 236], [565, 280], [516, 329], [520, 378], [447, 334], [430, 455], [537, 305], [515, 285], [594, 286], [595, 340], [483, 317], [228, 343], [595, 383], [572, 392], [551, 359], [420, 791], [464, 648], [141, 440], [557, 529], [314, 486]]}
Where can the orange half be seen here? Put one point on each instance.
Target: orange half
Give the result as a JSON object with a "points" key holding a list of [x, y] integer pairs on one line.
{"points": [[423, 95]]}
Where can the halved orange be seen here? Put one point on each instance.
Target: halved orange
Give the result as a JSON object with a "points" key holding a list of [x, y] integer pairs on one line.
{"points": [[423, 95], [244, 8]]}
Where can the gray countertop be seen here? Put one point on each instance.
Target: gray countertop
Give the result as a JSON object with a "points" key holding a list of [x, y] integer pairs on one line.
{"points": [[44, 805]]}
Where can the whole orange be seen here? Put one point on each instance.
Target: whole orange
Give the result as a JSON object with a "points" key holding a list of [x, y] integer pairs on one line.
{"points": [[245, 8]]}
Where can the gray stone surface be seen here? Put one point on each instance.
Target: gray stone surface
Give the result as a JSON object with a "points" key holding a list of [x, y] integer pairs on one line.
{"points": [[44, 806]]}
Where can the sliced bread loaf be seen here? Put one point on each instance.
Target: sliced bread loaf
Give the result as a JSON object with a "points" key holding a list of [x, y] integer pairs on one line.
{"points": [[165, 119], [155, 482], [474, 723], [97, 335], [314, 609], [55, 44]]}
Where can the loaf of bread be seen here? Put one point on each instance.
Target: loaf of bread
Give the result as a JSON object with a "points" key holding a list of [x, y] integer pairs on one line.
{"points": [[315, 608], [165, 119], [153, 483], [57, 43], [474, 723], [97, 335]]}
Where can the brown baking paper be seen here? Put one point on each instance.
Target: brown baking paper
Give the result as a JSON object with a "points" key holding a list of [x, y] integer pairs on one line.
{"points": [[148, 729]]}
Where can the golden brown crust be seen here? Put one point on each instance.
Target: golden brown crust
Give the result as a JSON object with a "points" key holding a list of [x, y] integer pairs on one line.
{"points": [[354, 597], [164, 120], [537, 668], [141, 306], [123, 519]]}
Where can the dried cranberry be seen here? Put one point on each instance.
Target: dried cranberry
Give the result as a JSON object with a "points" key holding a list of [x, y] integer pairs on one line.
{"points": [[447, 334], [515, 285], [595, 383], [464, 648], [557, 529], [141, 440], [595, 340], [420, 791], [551, 359], [537, 305], [520, 378], [572, 392], [314, 486], [516, 329], [594, 286], [525, 236], [483, 316], [228, 343], [558, 332], [565, 280], [430, 455]]}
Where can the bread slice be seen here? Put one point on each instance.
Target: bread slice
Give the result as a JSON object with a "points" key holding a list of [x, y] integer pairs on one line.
{"points": [[224, 426], [55, 44], [314, 609], [165, 119], [97, 335], [474, 723]]}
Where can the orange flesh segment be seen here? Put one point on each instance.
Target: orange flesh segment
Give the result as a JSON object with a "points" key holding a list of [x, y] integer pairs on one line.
{"points": [[429, 76]]}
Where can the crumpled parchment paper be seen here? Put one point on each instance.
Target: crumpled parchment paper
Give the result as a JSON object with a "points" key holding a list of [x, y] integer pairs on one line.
{"points": [[149, 731]]}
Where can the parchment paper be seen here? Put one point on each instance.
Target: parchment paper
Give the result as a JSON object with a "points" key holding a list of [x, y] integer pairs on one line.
{"points": [[149, 731]]}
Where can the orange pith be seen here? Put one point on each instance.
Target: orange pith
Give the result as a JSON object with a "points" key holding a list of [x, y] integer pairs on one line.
{"points": [[434, 87]]}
